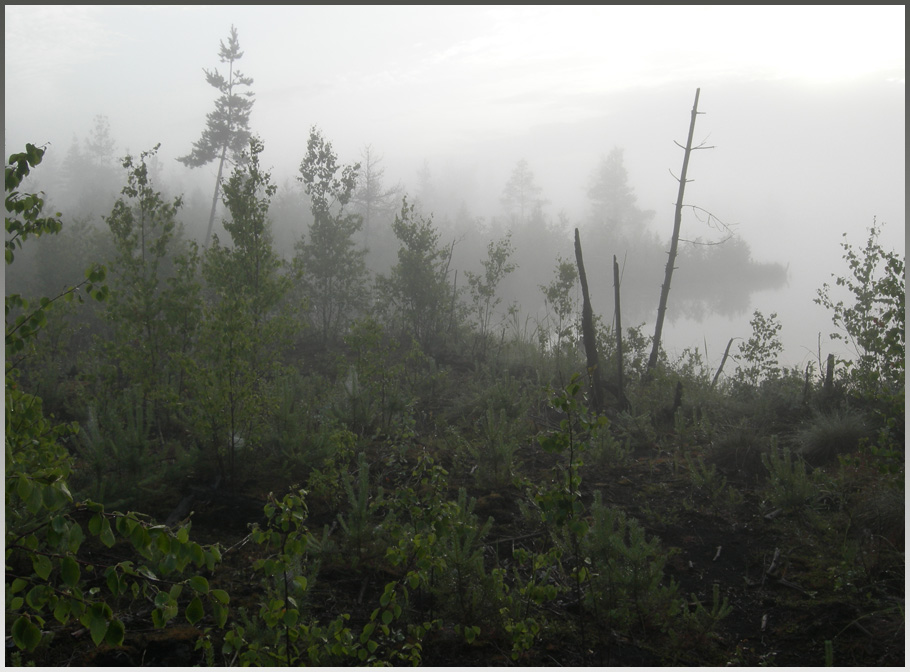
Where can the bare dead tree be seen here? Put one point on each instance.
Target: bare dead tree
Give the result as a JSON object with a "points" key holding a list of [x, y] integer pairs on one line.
{"points": [[674, 243], [587, 330], [723, 361], [829, 376]]}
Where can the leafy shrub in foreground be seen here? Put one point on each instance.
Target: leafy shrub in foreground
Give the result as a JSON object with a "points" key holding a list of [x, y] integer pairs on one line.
{"points": [[47, 572]]}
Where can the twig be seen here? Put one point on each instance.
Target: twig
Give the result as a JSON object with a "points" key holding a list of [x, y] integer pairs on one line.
{"points": [[790, 584], [518, 538], [240, 543], [773, 566]]}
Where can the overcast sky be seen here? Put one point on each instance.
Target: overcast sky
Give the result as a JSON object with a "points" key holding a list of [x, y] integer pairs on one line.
{"points": [[805, 106]]}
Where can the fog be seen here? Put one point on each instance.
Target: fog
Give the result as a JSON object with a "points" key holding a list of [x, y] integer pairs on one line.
{"points": [[803, 126]]}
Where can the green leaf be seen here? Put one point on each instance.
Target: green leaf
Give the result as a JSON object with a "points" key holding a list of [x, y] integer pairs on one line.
{"points": [[158, 619], [76, 537], [141, 539], [98, 626], [124, 525], [24, 488], [113, 581], [212, 557], [194, 611], [169, 564], [199, 584], [62, 611], [26, 634], [77, 606], [163, 542], [69, 571], [35, 501], [115, 633], [107, 536], [219, 613], [290, 618], [142, 570], [220, 596], [161, 599], [42, 566], [197, 554], [18, 584]]}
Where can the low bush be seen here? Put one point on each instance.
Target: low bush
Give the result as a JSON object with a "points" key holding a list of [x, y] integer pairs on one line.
{"points": [[830, 434]]}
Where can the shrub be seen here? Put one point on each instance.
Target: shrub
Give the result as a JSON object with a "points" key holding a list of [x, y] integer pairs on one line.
{"points": [[494, 451], [625, 570], [738, 450], [607, 450], [116, 452], [463, 578], [759, 354], [873, 327], [828, 435], [789, 485]]}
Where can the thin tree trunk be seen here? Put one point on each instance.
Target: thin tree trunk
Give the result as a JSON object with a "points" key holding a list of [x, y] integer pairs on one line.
{"points": [[829, 376], [722, 362], [587, 329], [208, 234], [619, 358], [674, 243], [807, 387], [454, 298]]}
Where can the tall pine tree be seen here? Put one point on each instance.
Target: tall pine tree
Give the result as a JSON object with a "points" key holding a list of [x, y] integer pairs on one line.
{"points": [[227, 131]]}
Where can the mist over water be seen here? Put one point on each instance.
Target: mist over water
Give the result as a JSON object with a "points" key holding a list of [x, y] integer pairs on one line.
{"points": [[795, 159]]}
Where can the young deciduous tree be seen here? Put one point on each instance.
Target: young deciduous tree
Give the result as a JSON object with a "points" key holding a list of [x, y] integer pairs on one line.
{"points": [[759, 355], [155, 301], [255, 267], [874, 326], [483, 287], [242, 325], [332, 267], [560, 299], [49, 576], [227, 130]]}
